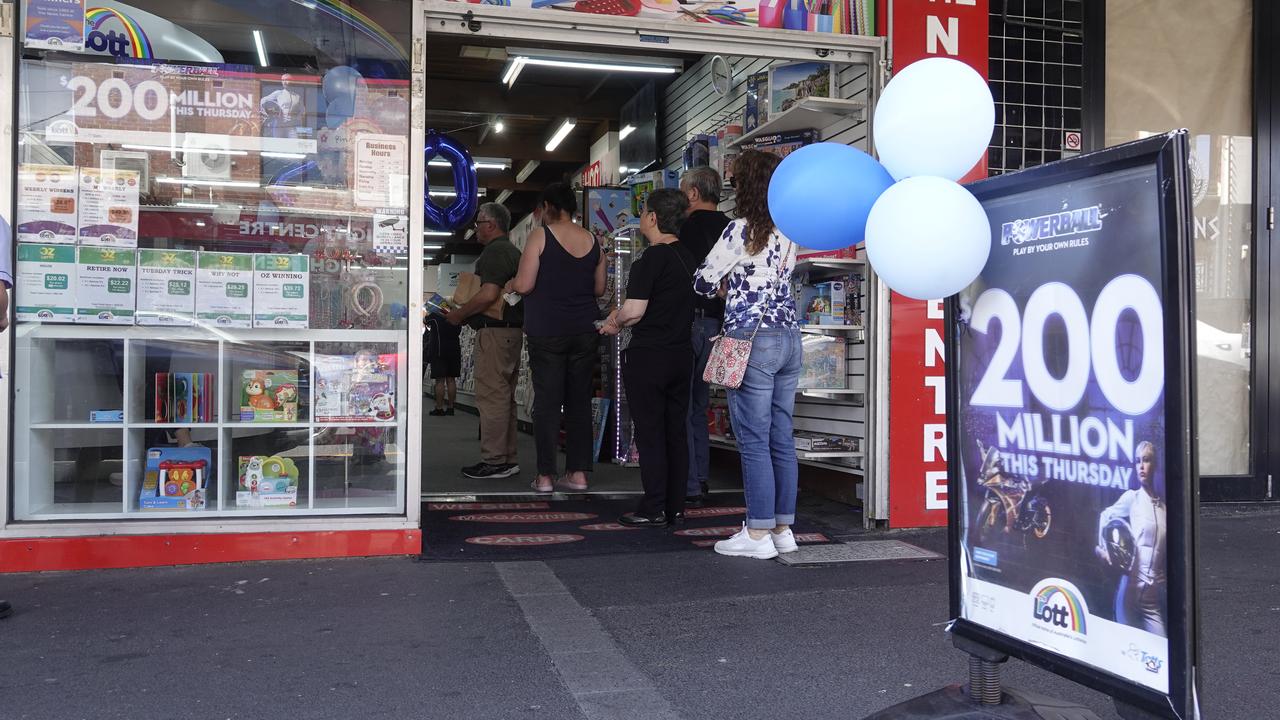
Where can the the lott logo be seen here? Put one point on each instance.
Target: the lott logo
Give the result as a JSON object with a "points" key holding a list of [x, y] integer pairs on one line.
{"points": [[1058, 604], [132, 42]]}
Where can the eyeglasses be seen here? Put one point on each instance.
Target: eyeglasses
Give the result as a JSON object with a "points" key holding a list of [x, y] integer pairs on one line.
{"points": [[478, 223]]}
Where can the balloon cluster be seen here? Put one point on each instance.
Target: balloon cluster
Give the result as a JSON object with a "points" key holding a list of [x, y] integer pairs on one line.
{"points": [[341, 87], [926, 236]]}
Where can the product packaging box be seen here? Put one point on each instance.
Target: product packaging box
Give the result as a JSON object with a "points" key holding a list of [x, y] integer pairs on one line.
{"points": [[789, 83], [176, 478], [269, 396], [46, 283], [184, 397], [822, 442], [166, 287], [106, 416], [281, 286], [825, 363], [267, 481], [834, 293], [355, 388], [224, 289], [644, 183], [109, 207], [757, 112], [783, 144], [106, 280], [47, 200]]}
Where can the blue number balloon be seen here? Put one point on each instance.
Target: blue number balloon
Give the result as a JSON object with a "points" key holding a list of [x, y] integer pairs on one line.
{"points": [[457, 215]]}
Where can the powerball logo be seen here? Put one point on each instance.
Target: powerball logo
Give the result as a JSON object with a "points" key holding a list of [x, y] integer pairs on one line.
{"points": [[1058, 606], [1051, 226]]}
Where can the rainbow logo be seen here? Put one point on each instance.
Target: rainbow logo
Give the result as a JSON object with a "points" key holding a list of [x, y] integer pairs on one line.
{"points": [[354, 18], [1060, 606], [132, 43]]}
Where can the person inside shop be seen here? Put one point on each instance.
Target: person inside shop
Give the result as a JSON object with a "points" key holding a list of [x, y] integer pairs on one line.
{"points": [[757, 261], [657, 362], [699, 233], [442, 350], [497, 348], [562, 273], [6, 283], [1142, 592]]}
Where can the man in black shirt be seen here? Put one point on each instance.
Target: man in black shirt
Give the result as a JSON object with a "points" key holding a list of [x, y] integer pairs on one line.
{"points": [[700, 232]]}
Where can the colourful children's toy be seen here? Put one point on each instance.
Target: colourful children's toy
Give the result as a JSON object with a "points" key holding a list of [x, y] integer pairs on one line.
{"points": [[269, 396], [267, 481], [176, 478]]}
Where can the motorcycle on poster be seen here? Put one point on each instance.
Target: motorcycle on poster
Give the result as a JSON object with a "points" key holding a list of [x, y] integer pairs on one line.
{"points": [[1063, 452]]}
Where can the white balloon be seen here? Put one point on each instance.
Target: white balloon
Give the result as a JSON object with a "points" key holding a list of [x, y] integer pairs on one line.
{"points": [[928, 237], [935, 117]]}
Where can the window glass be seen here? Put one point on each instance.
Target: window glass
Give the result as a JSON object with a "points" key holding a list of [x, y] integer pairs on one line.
{"points": [[213, 204], [1189, 64]]}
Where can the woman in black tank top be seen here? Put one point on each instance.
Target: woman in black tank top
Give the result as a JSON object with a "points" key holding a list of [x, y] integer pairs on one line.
{"points": [[562, 273]]}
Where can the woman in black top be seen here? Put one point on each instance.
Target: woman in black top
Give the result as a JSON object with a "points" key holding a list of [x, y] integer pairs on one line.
{"points": [[562, 272], [657, 363]]}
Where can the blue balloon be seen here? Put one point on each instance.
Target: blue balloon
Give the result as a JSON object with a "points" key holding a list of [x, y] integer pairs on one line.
{"points": [[339, 111], [820, 195], [457, 215], [340, 83]]}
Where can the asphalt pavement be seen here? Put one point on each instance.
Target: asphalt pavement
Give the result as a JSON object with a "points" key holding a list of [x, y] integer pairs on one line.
{"points": [[686, 635]]}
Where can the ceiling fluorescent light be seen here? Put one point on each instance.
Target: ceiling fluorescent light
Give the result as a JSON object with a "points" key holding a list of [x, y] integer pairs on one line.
{"points": [[196, 205], [442, 193], [166, 148], [601, 66], [433, 247], [262, 49], [561, 133], [502, 196], [208, 183], [513, 71], [527, 170], [622, 135], [479, 164], [437, 233], [280, 155], [499, 126]]}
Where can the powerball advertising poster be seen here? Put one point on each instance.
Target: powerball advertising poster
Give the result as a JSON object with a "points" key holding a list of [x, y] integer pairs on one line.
{"points": [[1060, 355]]}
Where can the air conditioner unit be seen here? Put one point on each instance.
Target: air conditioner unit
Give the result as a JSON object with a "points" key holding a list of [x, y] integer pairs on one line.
{"points": [[206, 157]]}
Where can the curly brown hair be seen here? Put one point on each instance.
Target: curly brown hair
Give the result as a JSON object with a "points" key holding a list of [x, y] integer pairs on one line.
{"points": [[752, 171]]}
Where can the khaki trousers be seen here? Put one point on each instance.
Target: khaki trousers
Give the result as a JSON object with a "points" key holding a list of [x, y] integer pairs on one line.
{"points": [[497, 365]]}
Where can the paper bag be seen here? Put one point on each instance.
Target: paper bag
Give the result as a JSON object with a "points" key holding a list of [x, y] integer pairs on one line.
{"points": [[468, 286]]}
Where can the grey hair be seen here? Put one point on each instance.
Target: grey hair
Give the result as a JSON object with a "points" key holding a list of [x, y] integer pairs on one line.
{"points": [[705, 180], [498, 213]]}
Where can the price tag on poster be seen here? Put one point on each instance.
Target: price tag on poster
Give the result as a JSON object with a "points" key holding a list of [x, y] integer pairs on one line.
{"points": [[1070, 388], [109, 202]]}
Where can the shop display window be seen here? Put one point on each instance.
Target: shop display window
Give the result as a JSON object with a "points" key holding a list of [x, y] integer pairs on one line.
{"points": [[211, 208]]}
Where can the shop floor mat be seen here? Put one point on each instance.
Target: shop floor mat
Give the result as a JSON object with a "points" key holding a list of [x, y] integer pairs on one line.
{"points": [[861, 551]]}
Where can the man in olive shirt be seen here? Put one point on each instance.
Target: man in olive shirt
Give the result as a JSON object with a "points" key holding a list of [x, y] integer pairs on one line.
{"points": [[497, 348]]}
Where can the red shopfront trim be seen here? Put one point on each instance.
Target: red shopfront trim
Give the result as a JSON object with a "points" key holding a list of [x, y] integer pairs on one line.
{"points": [[959, 29], [132, 551]]}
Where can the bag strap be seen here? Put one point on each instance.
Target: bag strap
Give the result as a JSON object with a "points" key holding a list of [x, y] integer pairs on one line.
{"points": [[777, 286]]}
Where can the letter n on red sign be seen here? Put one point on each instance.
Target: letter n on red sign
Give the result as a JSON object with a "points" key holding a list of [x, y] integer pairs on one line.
{"points": [[917, 422]]}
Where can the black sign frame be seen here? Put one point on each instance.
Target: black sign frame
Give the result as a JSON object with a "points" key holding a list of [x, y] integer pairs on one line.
{"points": [[1168, 154]]}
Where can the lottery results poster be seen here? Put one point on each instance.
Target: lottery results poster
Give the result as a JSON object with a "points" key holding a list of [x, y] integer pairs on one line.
{"points": [[1069, 365]]}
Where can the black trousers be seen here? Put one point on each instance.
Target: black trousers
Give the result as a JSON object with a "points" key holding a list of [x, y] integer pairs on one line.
{"points": [[657, 382], [563, 372]]}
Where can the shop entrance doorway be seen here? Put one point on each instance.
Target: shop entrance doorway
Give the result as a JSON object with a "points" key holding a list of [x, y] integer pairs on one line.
{"points": [[506, 83]]}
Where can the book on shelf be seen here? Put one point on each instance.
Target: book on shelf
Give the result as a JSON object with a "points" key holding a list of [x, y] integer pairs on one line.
{"points": [[184, 397], [266, 481], [269, 396], [176, 478], [355, 388]]}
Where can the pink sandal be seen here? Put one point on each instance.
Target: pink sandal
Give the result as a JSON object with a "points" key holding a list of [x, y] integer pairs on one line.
{"points": [[564, 484]]}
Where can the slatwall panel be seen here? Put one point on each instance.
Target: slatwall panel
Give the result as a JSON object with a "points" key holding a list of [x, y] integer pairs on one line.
{"points": [[1036, 78], [692, 107]]}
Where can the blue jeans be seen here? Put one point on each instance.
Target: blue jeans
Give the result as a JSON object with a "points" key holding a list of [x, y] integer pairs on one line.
{"points": [[704, 328], [761, 411]]}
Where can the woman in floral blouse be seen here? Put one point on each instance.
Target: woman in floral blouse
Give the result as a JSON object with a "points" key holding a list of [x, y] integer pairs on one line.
{"points": [[754, 262]]}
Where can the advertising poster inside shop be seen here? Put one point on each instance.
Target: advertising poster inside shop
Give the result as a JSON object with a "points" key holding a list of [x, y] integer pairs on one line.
{"points": [[1062, 438]]}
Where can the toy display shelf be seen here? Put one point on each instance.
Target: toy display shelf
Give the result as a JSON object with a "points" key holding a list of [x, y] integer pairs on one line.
{"points": [[809, 113], [67, 468], [823, 265], [804, 457]]}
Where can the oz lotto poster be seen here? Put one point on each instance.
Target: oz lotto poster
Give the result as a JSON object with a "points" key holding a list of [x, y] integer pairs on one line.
{"points": [[1059, 350]]}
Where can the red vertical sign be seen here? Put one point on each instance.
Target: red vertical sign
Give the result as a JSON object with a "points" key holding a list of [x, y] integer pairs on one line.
{"points": [[917, 390]]}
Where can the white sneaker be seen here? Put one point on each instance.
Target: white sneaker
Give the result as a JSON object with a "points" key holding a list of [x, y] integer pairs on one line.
{"points": [[784, 541], [741, 545]]}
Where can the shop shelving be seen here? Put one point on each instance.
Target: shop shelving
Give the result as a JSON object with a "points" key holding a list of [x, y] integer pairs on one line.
{"points": [[110, 374], [809, 113]]}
